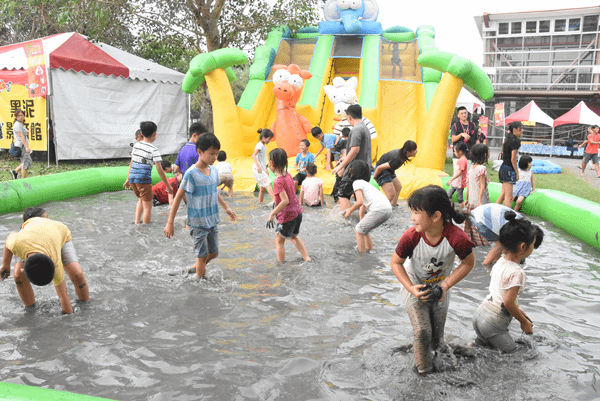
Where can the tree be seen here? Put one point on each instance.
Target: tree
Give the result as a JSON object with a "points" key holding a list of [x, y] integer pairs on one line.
{"points": [[208, 25], [23, 20]]}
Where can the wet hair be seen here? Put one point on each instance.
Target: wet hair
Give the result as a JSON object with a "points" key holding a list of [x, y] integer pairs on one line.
{"points": [[208, 141], [517, 231], [148, 128], [316, 131], [198, 129], [311, 168], [39, 269], [359, 170], [222, 156], [306, 142], [524, 162], [138, 133], [33, 212], [479, 153], [165, 164], [279, 158], [265, 133], [461, 146], [461, 108], [514, 125], [431, 199], [409, 146], [19, 111], [354, 111]]}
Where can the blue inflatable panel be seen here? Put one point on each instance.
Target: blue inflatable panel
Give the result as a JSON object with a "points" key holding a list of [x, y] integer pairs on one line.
{"points": [[337, 28], [545, 167]]}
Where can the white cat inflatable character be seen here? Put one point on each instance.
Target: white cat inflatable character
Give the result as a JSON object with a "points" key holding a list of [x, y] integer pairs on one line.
{"points": [[342, 94]]}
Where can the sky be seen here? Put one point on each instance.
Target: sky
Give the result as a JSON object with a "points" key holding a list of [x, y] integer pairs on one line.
{"points": [[454, 23]]}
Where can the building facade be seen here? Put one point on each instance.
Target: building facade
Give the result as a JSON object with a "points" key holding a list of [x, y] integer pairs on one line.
{"points": [[550, 56]]}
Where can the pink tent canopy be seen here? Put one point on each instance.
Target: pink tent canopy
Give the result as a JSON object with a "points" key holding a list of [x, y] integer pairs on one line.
{"points": [[580, 114], [531, 112]]}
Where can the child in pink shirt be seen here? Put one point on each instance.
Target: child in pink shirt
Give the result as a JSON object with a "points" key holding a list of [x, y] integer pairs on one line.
{"points": [[459, 180], [287, 207]]}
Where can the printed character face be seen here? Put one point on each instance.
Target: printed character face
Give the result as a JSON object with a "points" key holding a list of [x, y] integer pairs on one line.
{"points": [[421, 220], [209, 156]]}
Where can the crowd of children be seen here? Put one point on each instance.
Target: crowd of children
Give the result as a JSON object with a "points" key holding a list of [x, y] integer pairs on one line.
{"points": [[423, 261]]}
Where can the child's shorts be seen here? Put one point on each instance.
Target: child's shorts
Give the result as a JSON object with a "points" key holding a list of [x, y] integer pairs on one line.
{"points": [[485, 232], [586, 158], [385, 177], [299, 178], [143, 191], [226, 179], [262, 179], [67, 254], [290, 228], [507, 174], [206, 240], [371, 221]]}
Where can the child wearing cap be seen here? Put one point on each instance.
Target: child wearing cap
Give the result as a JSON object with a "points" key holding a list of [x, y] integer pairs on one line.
{"points": [[46, 252]]}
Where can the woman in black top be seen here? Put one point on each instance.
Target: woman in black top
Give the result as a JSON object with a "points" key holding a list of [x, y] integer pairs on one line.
{"points": [[509, 171]]}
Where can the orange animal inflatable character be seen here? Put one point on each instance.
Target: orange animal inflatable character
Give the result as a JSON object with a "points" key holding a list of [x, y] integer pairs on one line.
{"points": [[289, 126]]}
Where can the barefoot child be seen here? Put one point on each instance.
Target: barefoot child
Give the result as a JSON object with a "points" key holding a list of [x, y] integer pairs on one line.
{"points": [[199, 185], [311, 191], [425, 256], [225, 173], [160, 195], [375, 208], [287, 207], [328, 143], [385, 170], [525, 186], [477, 178], [259, 168], [519, 237], [46, 252], [302, 159], [459, 180], [144, 155]]}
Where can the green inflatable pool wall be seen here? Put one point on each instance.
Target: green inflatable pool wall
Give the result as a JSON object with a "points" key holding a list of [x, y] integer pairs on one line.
{"points": [[20, 392], [17, 195]]}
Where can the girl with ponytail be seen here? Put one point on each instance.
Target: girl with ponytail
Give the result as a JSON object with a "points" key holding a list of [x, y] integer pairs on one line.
{"points": [[424, 262], [518, 237]]}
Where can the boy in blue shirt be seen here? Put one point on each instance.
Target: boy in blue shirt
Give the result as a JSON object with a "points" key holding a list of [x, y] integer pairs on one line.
{"points": [[302, 159], [187, 155], [328, 143], [199, 185]]}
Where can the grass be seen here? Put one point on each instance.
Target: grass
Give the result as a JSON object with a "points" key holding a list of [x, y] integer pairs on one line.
{"points": [[565, 182], [40, 167]]}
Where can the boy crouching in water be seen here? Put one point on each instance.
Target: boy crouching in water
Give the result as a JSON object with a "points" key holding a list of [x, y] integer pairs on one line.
{"points": [[46, 252], [199, 184]]}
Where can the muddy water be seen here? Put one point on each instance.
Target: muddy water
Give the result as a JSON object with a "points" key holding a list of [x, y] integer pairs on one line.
{"points": [[258, 330]]}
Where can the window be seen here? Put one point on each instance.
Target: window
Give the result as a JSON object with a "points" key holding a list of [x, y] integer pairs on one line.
{"points": [[574, 24], [559, 25], [544, 26], [515, 27], [531, 27], [590, 23], [491, 33], [503, 28]]}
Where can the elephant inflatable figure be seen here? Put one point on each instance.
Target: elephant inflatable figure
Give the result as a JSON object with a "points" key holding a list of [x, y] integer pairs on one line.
{"points": [[355, 16]]}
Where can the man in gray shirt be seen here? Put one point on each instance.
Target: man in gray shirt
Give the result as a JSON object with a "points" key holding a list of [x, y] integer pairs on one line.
{"points": [[359, 148]]}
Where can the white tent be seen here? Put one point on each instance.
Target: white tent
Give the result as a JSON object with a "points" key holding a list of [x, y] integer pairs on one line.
{"points": [[466, 99], [98, 95]]}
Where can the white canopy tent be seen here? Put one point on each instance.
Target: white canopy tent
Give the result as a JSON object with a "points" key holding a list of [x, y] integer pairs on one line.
{"points": [[468, 100], [98, 95]]}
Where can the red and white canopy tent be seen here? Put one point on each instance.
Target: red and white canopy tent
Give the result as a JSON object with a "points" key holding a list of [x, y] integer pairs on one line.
{"points": [[97, 96], [580, 114], [532, 112]]}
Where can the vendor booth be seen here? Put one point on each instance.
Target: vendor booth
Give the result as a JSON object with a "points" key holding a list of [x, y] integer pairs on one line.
{"points": [[91, 96]]}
